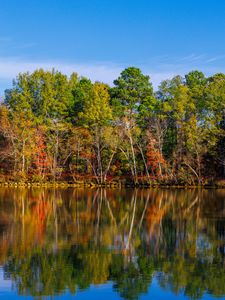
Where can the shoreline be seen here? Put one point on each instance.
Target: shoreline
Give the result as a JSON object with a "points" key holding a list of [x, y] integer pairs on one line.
{"points": [[113, 185]]}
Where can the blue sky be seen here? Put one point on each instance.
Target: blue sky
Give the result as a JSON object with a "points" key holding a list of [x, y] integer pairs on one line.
{"points": [[98, 38]]}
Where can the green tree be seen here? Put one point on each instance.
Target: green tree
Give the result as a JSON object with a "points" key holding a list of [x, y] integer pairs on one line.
{"points": [[132, 91], [96, 115], [41, 95]]}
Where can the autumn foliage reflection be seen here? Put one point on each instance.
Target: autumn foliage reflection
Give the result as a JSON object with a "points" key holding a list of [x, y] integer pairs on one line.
{"points": [[57, 240]]}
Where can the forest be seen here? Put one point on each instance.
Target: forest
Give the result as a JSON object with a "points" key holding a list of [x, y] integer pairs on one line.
{"points": [[55, 128]]}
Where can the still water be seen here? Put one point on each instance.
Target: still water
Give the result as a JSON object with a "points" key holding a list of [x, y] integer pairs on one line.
{"points": [[112, 244]]}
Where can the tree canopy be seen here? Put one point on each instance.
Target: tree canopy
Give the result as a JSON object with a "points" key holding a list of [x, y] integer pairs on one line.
{"points": [[127, 132]]}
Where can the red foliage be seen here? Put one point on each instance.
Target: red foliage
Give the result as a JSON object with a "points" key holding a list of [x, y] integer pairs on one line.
{"points": [[40, 161], [154, 157]]}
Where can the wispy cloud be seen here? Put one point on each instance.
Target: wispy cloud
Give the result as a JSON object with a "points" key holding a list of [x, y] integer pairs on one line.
{"points": [[11, 67], [175, 65], [215, 58], [191, 58], [158, 68], [96, 71], [11, 44], [189, 61]]}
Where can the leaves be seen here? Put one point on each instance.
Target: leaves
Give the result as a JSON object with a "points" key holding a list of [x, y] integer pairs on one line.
{"points": [[93, 130]]}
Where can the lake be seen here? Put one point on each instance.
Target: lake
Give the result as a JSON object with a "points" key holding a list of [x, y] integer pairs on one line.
{"points": [[112, 244]]}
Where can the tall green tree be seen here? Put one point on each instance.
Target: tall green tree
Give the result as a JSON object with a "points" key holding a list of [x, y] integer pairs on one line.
{"points": [[132, 91]]}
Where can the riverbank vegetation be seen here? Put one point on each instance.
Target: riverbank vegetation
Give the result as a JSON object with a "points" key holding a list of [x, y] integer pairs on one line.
{"points": [[59, 128]]}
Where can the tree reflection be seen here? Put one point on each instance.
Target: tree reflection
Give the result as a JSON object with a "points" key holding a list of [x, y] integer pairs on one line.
{"points": [[52, 241]]}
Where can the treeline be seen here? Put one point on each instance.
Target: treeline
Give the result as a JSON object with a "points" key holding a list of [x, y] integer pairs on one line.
{"points": [[59, 128]]}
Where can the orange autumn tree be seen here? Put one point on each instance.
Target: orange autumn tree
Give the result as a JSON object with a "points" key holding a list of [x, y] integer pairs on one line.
{"points": [[40, 158], [155, 159]]}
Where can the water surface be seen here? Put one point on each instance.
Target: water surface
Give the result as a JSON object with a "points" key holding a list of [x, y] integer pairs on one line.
{"points": [[112, 244]]}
